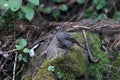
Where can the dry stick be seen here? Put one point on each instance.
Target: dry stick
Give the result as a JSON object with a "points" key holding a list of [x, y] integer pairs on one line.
{"points": [[13, 50], [82, 12], [7, 75], [113, 2], [109, 71], [88, 48], [14, 68], [20, 69], [2, 65]]}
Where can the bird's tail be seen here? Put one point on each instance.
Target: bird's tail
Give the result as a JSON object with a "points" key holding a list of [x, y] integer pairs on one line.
{"points": [[80, 45]]}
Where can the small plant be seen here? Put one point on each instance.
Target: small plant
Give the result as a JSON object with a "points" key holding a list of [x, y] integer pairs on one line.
{"points": [[117, 15], [16, 6], [80, 1], [98, 10], [52, 69], [58, 1], [21, 47]]}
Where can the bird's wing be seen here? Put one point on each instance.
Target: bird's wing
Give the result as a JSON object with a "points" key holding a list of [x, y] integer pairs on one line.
{"points": [[70, 38], [67, 36]]}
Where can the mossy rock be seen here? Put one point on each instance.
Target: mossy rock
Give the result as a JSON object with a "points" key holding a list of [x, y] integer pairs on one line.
{"points": [[71, 66], [75, 66]]}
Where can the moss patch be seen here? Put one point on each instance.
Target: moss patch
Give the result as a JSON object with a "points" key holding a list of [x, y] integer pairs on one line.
{"points": [[43, 73], [71, 66], [75, 66]]}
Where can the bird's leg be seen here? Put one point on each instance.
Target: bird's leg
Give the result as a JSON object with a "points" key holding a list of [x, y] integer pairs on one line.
{"points": [[66, 51], [62, 47], [59, 46]]}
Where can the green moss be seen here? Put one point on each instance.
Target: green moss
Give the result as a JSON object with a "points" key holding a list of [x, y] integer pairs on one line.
{"points": [[74, 65], [99, 70], [71, 66], [43, 72], [28, 77]]}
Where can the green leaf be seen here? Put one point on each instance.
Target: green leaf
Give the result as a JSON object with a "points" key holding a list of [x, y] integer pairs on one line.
{"points": [[30, 5], [80, 1], [47, 10], [101, 4], [58, 1], [63, 7], [96, 2], [4, 4], [20, 56], [35, 2], [117, 15], [100, 17], [14, 4], [40, 7], [56, 14], [20, 15], [51, 68], [29, 12], [26, 50], [22, 43], [59, 75], [89, 12], [18, 47], [24, 59]]}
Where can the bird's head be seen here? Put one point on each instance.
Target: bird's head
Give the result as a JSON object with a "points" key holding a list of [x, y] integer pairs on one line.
{"points": [[58, 29]]}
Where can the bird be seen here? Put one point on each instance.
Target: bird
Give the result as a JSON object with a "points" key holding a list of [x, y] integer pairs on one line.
{"points": [[65, 39]]}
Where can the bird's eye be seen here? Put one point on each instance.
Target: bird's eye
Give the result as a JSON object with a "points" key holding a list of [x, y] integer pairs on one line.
{"points": [[60, 29]]}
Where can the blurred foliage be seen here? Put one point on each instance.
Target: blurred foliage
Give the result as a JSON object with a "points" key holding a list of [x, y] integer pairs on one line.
{"points": [[60, 9]]}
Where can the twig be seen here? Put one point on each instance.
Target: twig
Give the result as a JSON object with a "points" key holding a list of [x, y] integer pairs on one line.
{"points": [[109, 71], [14, 68], [20, 69], [114, 5], [104, 48], [82, 12], [7, 75], [1, 66], [88, 49], [39, 15]]}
